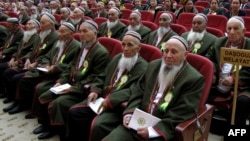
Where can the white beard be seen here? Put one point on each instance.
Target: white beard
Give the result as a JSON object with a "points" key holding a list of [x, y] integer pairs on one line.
{"points": [[194, 36], [111, 24], [134, 28], [28, 34], [162, 30], [33, 16], [167, 75], [53, 11], [127, 63], [76, 21], [60, 44], [44, 34]]}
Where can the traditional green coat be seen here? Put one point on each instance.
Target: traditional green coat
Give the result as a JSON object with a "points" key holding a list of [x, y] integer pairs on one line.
{"points": [[11, 46], [202, 47], [40, 50], [88, 13], [115, 96], [4, 33], [153, 37], [25, 18], [103, 14], [214, 56], [115, 32], [3, 17], [94, 63], [185, 92], [25, 51], [143, 31]]}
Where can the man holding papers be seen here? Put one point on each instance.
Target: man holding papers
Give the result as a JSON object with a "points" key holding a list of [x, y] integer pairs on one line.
{"points": [[169, 90], [113, 85], [91, 61]]}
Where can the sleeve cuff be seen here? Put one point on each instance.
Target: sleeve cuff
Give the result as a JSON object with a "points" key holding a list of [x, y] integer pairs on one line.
{"points": [[152, 133]]}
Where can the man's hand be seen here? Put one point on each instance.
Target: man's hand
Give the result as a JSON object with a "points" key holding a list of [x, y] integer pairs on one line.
{"points": [[26, 64], [228, 81], [143, 132], [57, 84], [92, 97], [51, 69], [32, 66], [103, 107], [126, 120], [11, 63]]}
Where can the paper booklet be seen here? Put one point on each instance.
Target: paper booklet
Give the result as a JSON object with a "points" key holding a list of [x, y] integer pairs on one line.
{"points": [[95, 106], [59, 89], [141, 119], [42, 69]]}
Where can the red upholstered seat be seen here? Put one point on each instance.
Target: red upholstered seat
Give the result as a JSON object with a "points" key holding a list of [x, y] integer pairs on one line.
{"points": [[179, 29], [199, 8], [204, 4], [149, 52], [215, 31], [247, 23], [3, 23], [146, 15], [100, 20], [128, 5], [247, 34], [186, 20], [217, 21], [57, 17], [158, 14], [186, 131], [76, 36], [247, 11], [11, 14], [125, 21], [150, 25], [125, 13], [113, 46]]}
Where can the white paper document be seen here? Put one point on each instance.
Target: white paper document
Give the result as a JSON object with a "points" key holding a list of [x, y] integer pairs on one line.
{"points": [[59, 89], [95, 106], [141, 119], [42, 69]]}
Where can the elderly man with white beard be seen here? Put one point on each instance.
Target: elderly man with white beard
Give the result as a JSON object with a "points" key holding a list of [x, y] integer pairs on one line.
{"points": [[159, 37], [113, 28], [17, 62], [136, 25], [199, 40], [123, 71], [48, 37], [170, 89], [78, 17], [65, 15]]}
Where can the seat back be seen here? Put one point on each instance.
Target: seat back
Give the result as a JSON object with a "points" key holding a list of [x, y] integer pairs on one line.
{"points": [[186, 20], [128, 5], [113, 46], [149, 52], [205, 67], [125, 13], [215, 31], [147, 15], [204, 4], [57, 17], [199, 8], [11, 14], [76, 36], [158, 14], [3, 23], [150, 25], [247, 23], [179, 29], [125, 21], [247, 11], [217, 21], [247, 34], [100, 20]]}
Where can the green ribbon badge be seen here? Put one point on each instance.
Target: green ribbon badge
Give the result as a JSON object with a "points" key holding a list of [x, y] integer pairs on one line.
{"points": [[196, 46], [123, 80], [85, 66], [43, 47], [163, 46], [62, 58], [168, 97]]}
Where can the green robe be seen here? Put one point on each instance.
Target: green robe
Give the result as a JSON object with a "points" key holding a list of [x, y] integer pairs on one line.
{"points": [[25, 51], [103, 14], [4, 33], [206, 42], [3, 17], [88, 13], [116, 32], [152, 38], [24, 19], [95, 62], [186, 91], [143, 31], [40, 50], [112, 117], [10, 47]]}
